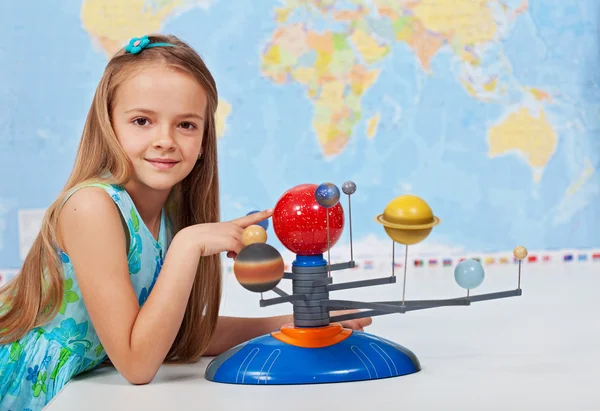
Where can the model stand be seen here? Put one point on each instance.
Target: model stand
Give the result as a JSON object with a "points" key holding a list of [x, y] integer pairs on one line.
{"points": [[308, 220]]}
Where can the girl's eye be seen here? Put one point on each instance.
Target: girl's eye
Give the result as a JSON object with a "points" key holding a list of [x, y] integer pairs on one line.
{"points": [[188, 126], [141, 121]]}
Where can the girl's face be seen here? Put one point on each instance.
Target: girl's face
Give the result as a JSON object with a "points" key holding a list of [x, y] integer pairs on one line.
{"points": [[158, 117]]}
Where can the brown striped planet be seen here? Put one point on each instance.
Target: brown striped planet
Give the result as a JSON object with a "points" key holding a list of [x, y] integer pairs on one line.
{"points": [[258, 267]]}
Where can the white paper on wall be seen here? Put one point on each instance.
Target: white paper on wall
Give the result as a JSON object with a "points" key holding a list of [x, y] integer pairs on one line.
{"points": [[30, 222], [6, 275]]}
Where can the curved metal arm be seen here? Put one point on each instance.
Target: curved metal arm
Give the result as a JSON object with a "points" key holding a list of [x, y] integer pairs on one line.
{"points": [[390, 307]]}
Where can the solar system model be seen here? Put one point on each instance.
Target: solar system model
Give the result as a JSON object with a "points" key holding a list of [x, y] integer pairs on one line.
{"points": [[308, 220]]}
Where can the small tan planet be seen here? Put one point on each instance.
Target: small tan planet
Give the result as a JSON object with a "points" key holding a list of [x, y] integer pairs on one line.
{"points": [[520, 252], [407, 219], [254, 234]]}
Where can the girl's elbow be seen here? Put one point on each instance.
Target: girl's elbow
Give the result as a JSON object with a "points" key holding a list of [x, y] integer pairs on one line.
{"points": [[136, 381], [139, 375], [139, 378]]}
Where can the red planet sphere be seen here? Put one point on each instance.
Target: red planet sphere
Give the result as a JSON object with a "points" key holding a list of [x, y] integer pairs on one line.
{"points": [[300, 222]]}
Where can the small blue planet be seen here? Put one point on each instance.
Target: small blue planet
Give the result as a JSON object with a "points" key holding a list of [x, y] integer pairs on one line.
{"points": [[469, 274], [327, 195], [264, 223]]}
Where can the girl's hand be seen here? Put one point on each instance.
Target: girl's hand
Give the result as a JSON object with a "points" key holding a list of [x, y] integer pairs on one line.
{"points": [[214, 238], [357, 324]]}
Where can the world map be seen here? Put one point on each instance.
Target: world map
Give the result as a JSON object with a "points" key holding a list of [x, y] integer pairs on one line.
{"points": [[487, 109]]}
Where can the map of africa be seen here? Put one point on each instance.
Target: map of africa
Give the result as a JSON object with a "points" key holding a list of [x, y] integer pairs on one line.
{"points": [[487, 109]]}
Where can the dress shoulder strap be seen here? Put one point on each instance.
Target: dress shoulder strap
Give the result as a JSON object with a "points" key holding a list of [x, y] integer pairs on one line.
{"points": [[114, 192]]}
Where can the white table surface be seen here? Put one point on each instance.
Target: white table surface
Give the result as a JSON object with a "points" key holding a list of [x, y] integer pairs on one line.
{"points": [[540, 351]]}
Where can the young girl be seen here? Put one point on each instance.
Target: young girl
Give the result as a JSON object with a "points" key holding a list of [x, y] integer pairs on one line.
{"points": [[98, 281]]}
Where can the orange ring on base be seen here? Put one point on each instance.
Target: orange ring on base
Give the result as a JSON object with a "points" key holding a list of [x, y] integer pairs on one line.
{"points": [[312, 337]]}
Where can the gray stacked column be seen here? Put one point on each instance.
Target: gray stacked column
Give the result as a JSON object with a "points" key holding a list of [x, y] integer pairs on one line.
{"points": [[310, 312]]}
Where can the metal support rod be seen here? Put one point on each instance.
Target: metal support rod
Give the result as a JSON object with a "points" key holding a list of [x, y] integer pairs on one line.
{"points": [[393, 308], [401, 307], [350, 219], [361, 283], [343, 266], [321, 282], [405, 264], [393, 257], [328, 244], [494, 296], [473, 298], [279, 300], [279, 292]]}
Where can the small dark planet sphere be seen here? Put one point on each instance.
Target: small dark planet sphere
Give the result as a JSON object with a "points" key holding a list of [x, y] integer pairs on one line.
{"points": [[349, 187], [258, 267]]}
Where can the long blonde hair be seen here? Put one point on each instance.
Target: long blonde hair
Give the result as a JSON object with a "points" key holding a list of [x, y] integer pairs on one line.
{"points": [[34, 296]]}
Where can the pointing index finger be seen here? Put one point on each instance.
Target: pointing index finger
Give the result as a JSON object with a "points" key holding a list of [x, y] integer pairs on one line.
{"points": [[254, 218]]}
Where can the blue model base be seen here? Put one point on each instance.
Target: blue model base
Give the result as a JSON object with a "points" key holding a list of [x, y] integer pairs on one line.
{"points": [[267, 360]]}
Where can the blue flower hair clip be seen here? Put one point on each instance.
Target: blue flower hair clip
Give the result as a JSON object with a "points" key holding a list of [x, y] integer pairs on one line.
{"points": [[138, 44]]}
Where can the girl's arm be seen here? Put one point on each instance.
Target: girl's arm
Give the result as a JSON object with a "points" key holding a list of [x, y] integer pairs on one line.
{"points": [[136, 340], [232, 331]]}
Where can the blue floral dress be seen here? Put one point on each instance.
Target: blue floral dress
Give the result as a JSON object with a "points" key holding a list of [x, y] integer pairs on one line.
{"points": [[37, 366]]}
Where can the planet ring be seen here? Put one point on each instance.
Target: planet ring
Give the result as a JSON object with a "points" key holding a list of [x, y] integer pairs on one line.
{"points": [[380, 220]]}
